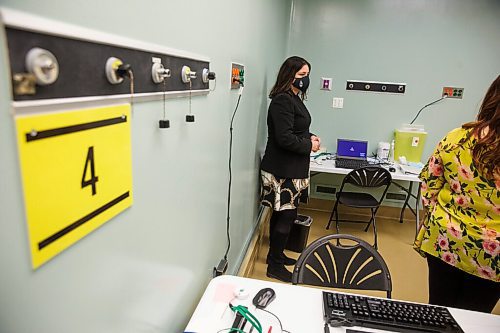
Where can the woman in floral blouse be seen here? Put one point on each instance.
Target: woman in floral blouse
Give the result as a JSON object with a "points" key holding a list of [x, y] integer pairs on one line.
{"points": [[460, 235]]}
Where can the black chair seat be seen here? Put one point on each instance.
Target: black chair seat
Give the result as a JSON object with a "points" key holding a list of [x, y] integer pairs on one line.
{"points": [[358, 200]]}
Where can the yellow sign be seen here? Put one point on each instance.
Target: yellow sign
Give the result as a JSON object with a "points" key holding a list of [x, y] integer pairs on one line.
{"points": [[77, 174]]}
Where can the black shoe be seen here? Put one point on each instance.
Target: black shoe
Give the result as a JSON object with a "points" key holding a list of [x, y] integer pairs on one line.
{"points": [[287, 261], [279, 272]]}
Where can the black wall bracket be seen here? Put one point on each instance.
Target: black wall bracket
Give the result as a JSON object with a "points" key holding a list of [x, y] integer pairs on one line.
{"points": [[53, 62], [373, 86]]}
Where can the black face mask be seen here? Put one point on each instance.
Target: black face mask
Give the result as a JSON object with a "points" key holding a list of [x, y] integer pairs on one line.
{"points": [[301, 83]]}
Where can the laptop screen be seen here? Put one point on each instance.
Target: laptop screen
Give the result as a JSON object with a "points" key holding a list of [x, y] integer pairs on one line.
{"points": [[351, 149]]}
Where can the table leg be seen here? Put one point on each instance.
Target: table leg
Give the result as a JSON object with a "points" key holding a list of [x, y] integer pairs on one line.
{"points": [[417, 211], [408, 195]]}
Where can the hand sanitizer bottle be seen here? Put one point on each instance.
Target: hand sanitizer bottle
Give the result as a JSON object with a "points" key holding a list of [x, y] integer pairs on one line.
{"points": [[391, 158]]}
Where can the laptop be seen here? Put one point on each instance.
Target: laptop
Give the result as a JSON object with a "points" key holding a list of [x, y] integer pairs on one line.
{"points": [[351, 154]]}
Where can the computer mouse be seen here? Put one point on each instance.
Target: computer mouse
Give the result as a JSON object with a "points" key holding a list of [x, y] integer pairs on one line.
{"points": [[263, 298]]}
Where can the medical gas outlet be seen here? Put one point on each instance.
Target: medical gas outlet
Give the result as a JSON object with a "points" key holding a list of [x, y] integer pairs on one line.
{"points": [[42, 69], [187, 74], [159, 73], [43, 65], [116, 70]]}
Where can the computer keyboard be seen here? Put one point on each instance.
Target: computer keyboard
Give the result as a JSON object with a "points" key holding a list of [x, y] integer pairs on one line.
{"points": [[351, 310], [350, 163]]}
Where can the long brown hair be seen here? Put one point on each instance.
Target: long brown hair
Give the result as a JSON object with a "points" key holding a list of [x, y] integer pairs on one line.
{"points": [[486, 152], [286, 75]]}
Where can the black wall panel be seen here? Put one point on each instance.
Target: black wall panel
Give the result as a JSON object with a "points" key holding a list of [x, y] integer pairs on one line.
{"points": [[82, 67], [383, 87]]}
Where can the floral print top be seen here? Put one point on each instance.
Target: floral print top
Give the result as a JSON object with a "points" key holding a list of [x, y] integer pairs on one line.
{"points": [[462, 226]]}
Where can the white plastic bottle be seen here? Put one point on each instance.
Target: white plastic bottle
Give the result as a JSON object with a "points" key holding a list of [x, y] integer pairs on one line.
{"points": [[383, 151], [391, 158]]}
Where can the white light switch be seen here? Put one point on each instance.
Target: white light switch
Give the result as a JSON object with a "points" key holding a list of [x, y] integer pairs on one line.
{"points": [[338, 103], [326, 83]]}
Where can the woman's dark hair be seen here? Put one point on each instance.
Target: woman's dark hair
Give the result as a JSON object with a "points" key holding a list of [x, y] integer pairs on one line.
{"points": [[486, 128], [286, 75]]}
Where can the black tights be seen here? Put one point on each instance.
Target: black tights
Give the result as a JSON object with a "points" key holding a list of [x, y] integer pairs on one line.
{"points": [[279, 229], [450, 286]]}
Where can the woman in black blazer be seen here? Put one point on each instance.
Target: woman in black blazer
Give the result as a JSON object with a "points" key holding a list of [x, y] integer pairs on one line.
{"points": [[285, 165]]}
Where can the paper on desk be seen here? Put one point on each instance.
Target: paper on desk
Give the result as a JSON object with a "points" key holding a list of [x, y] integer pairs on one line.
{"points": [[214, 307], [224, 293], [410, 170]]}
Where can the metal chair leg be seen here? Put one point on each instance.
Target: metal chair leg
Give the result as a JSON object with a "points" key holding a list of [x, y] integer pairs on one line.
{"points": [[408, 195], [369, 222], [337, 220], [375, 244], [331, 215]]}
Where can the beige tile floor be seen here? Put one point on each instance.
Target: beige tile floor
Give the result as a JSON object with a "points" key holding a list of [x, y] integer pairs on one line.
{"points": [[408, 269]]}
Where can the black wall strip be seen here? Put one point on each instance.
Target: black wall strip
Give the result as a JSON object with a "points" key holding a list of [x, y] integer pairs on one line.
{"points": [[82, 67], [74, 128], [382, 87], [81, 221]]}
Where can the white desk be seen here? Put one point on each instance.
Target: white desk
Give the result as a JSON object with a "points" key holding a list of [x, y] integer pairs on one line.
{"points": [[299, 308], [328, 166]]}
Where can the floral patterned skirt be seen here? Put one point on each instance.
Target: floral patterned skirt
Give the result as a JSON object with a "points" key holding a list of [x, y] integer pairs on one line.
{"points": [[283, 193]]}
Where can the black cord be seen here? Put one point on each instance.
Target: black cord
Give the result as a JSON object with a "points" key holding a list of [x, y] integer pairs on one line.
{"points": [[230, 177], [239, 81], [275, 316], [427, 106]]}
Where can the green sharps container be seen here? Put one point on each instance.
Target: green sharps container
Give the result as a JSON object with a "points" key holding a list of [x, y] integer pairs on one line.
{"points": [[409, 141]]}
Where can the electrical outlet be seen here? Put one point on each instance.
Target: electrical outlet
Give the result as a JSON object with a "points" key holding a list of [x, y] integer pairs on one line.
{"points": [[338, 103], [237, 75], [452, 92]]}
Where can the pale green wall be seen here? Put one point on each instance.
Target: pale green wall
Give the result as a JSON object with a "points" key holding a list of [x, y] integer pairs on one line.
{"points": [[145, 270], [427, 44]]}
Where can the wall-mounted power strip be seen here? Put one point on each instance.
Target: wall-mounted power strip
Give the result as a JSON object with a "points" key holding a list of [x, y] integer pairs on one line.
{"points": [[237, 75], [452, 92]]}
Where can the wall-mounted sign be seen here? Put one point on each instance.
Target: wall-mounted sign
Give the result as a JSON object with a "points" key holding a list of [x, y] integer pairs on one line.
{"points": [[77, 174]]}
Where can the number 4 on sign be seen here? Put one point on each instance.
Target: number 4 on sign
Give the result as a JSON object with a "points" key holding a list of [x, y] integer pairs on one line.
{"points": [[93, 179]]}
